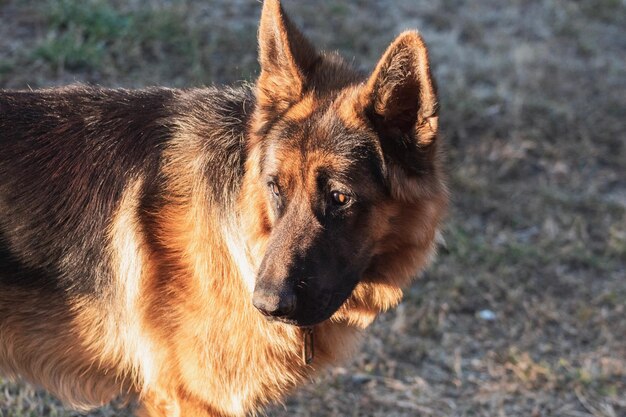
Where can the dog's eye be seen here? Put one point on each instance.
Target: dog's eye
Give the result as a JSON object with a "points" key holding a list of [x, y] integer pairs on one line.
{"points": [[340, 198], [274, 188]]}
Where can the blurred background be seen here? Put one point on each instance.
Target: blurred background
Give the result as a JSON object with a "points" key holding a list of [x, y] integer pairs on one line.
{"points": [[525, 315]]}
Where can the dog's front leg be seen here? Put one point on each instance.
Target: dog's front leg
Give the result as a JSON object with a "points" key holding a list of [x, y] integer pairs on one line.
{"points": [[156, 404]]}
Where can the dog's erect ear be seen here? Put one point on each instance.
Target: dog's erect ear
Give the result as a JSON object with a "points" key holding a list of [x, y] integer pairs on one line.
{"points": [[400, 100], [286, 58]]}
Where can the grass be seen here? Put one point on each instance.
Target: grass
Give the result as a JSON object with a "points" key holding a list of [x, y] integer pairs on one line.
{"points": [[532, 98], [81, 33], [86, 36]]}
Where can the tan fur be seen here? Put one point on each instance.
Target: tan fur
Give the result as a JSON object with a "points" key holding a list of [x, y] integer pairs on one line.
{"points": [[46, 349], [209, 331], [119, 336], [280, 41], [302, 110], [81, 339]]}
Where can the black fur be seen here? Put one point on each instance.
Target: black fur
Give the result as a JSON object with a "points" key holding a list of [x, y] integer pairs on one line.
{"points": [[67, 155]]}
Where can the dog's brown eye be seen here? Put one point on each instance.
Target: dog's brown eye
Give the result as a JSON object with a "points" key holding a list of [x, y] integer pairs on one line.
{"points": [[340, 198], [274, 188]]}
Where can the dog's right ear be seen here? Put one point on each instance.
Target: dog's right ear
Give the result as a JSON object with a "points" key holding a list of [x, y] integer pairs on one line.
{"points": [[286, 59]]}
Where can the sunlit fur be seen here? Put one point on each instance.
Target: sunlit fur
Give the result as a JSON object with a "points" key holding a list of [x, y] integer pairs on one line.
{"points": [[130, 256]]}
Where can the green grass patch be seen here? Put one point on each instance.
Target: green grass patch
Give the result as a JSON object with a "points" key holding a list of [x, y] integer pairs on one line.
{"points": [[67, 50], [92, 34], [81, 33], [6, 67], [608, 11], [472, 249]]}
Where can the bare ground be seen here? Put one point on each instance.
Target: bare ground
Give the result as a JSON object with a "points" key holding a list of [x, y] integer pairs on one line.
{"points": [[525, 315]]}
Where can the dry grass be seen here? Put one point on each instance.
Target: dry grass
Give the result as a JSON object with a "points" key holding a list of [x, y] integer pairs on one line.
{"points": [[533, 104]]}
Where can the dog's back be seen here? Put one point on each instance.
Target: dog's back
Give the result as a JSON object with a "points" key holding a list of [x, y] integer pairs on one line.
{"points": [[69, 153], [67, 156]]}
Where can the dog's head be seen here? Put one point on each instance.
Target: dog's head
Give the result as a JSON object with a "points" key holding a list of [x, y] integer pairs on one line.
{"points": [[342, 184]]}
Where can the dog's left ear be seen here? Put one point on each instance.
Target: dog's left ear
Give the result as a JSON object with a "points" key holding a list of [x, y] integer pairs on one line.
{"points": [[400, 101], [286, 59]]}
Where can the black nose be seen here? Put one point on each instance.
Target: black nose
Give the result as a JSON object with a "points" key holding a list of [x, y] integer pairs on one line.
{"points": [[274, 304]]}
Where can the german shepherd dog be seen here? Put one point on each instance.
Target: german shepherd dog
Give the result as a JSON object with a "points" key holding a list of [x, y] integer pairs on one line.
{"points": [[204, 251]]}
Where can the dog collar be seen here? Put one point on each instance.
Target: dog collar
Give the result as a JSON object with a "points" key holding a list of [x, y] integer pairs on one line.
{"points": [[308, 348]]}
